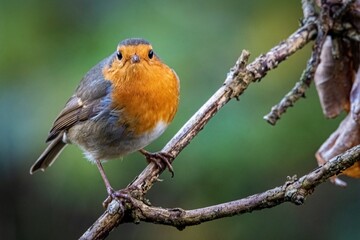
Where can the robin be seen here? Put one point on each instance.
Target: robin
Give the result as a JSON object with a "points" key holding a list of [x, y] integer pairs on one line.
{"points": [[120, 106]]}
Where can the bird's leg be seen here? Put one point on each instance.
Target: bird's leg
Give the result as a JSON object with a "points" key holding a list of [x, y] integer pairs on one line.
{"points": [[110, 191], [158, 158]]}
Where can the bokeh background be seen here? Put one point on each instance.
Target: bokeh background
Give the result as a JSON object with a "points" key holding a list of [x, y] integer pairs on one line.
{"points": [[47, 46]]}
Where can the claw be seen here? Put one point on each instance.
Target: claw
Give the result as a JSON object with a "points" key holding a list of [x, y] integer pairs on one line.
{"points": [[107, 201], [120, 194], [110, 191], [159, 158]]}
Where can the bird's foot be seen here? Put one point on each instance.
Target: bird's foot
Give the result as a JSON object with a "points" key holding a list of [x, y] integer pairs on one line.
{"points": [[122, 194], [159, 158]]}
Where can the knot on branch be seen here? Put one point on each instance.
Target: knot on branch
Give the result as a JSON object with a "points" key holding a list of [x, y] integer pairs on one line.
{"points": [[116, 207], [236, 79], [296, 191], [296, 196]]}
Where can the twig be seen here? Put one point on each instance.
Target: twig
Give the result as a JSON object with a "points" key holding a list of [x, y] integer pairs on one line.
{"points": [[298, 91], [308, 7], [300, 87], [235, 84], [324, 23]]}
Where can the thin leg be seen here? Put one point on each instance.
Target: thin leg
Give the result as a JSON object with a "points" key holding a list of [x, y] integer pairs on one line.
{"points": [[111, 193], [158, 158], [109, 189]]}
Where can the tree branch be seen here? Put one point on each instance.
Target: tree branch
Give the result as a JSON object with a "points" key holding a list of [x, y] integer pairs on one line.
{"points": [[308, 7], [307, 76], [294, 191], [300, 87], [324, 23], [134, 208], [237, 81]]}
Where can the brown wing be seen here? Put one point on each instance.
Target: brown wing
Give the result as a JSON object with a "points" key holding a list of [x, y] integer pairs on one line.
{"points": [[74, 111], [90, 98]]}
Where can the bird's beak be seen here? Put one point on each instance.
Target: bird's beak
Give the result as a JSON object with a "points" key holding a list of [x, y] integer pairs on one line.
{"points": [[135, 59]]}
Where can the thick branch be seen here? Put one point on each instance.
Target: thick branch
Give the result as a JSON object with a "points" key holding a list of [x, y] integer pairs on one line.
{"points": [[237, 81], [294, 190]]}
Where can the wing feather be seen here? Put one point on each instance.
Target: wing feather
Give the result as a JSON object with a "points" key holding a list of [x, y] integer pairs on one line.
{"points": [[90, 99]]}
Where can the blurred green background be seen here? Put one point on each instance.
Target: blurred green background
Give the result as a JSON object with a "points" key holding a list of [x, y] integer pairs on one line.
{"points": [[47, 46]]}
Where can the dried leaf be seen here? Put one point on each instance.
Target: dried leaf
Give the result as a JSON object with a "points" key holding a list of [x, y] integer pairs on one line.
{"points": [[333, 78], [345, 137]]}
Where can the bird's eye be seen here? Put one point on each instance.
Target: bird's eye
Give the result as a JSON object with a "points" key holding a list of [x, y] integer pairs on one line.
{"points": [[119, 55], [151, 54]]}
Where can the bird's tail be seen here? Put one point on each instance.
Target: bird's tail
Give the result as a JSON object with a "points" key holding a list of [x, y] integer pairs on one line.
{"points": [[49, 155]]}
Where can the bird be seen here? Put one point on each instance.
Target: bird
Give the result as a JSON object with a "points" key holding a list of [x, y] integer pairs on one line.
{"points": [[121, 105]]}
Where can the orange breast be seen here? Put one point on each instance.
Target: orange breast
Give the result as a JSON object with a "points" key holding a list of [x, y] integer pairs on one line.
{"points": [[145, 93]]}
